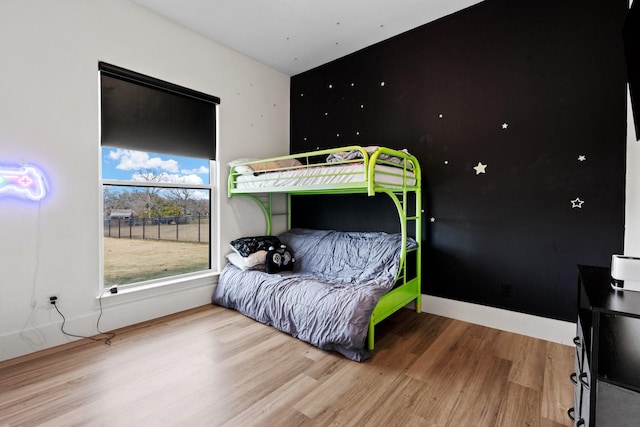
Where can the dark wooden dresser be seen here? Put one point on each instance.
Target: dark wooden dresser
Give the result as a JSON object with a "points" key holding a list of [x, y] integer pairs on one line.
{"points": [[606, 374]]}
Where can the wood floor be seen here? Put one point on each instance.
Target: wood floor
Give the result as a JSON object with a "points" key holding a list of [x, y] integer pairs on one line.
{"points": [[214, 367]]}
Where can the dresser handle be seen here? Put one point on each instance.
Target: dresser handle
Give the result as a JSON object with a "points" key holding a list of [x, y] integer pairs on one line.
{"points": [[577, 342], [571, 412], [574, 378], [583, 380]]}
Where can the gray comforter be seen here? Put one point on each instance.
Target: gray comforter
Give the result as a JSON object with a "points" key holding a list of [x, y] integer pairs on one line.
{"points": [[328, 299]]}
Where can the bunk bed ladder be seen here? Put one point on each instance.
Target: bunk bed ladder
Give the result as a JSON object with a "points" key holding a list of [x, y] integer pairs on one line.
{"points": [[410, 291]]}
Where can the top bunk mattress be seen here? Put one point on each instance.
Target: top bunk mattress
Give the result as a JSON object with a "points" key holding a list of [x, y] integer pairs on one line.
{"points": [[342, 175]]}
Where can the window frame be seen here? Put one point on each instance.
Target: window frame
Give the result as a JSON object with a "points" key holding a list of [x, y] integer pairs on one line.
{"points": [[184, 280], [213, 232]]}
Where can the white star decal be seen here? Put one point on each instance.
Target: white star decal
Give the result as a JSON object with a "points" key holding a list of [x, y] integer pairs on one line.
{"points": [[582, 158], [480, 168], [577, 203], [432, 219], [505, 125]]}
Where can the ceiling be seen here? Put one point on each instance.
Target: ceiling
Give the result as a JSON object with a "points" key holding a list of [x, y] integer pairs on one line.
{"points": [[293, 36]]}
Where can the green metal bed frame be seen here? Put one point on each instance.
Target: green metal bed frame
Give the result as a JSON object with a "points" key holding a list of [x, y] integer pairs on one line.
{"points": [[393, 182]]}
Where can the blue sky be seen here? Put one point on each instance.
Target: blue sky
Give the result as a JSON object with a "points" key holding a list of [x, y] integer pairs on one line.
{"points": [[132, 165]]}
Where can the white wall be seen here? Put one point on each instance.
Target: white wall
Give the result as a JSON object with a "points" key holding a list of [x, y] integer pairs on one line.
{"points": [[49, 51], [632, 195], [632, 206]]}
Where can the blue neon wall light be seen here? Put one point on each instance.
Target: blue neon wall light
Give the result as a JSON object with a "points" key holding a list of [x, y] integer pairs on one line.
{"points": [[25, 181]]}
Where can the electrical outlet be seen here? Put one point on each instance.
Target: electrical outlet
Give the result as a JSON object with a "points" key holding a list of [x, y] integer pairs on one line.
{"points": [[52, 300]]}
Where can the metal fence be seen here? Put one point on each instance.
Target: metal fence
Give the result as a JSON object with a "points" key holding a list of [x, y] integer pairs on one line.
{"points": [[177, 228]]}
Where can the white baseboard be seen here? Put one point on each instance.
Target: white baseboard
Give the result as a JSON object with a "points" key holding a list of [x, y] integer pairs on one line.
{"points": [[119, 310], [525, 324]]}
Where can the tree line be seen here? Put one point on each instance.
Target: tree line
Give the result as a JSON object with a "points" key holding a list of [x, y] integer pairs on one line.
{"points": [[153, 202]]}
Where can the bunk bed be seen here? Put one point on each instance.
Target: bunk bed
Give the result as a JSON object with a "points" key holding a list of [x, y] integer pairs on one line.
{"points": [[373, 171]]}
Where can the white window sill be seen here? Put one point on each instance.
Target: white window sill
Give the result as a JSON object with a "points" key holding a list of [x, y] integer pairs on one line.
{"points": [[128, 293]]}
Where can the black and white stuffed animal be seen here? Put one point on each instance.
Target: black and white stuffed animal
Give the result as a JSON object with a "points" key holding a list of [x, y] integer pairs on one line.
{"points": [[278, 260]]}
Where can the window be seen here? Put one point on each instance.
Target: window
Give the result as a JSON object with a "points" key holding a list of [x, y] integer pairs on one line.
{"points": [[158, 157]]}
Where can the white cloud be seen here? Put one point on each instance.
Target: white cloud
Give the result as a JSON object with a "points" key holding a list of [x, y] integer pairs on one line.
{"points": [[200, 195], [150, 177], [136, 160], [200, 170], [166, 177], [185, 179]]}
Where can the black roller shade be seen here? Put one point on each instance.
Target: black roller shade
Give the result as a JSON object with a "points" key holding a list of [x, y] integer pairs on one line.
{"points": [[146, 114]]}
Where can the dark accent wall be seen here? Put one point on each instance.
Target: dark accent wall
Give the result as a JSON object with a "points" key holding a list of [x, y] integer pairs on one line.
{"points": [[534, 90]]}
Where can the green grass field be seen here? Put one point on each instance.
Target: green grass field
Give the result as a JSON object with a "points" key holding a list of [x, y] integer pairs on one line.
{"points": [[135, 260]]}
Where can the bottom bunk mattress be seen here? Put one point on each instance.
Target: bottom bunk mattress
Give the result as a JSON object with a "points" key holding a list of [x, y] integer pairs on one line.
{"points": [[328, 298]]}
